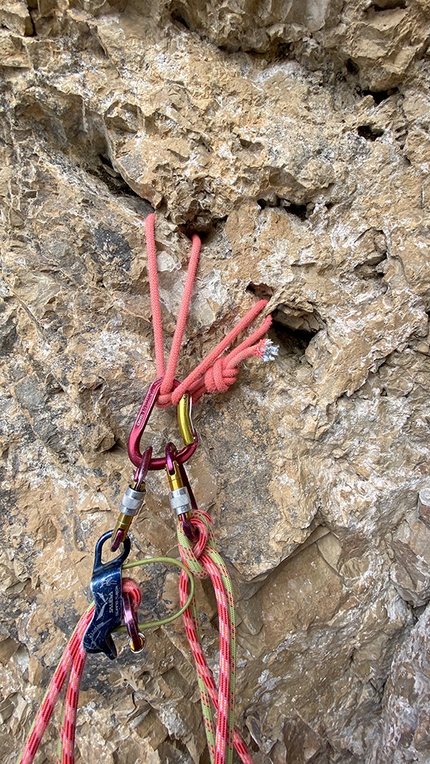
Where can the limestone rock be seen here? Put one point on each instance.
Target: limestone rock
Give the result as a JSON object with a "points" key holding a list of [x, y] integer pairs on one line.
{"points": [[294, 137], [405, 730], [410, 546]]}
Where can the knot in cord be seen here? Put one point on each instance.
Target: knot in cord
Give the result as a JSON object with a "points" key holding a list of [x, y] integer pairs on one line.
{"points": [[164, 400], [220, 377]]}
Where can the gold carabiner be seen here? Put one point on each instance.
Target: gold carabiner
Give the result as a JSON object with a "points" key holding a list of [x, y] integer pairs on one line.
{"points": [[185, 422]]}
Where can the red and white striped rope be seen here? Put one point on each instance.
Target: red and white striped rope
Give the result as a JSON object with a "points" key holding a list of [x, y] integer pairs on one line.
{"points": [[71, 667], [203, 560]]}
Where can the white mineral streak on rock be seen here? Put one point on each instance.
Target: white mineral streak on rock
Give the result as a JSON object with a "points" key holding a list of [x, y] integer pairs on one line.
{"points": [[294, 136]]}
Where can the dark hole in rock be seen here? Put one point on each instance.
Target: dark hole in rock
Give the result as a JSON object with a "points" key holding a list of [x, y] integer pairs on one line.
{"points": [[300, 210], [373, 268], [178, 16], [30, 30], [293, 329], [369, 133], [373, 247], [352, 67], [262, 291], [388, 5], [284, 50], [380, 95], [203, 224], [256, 146], [107, 163], [113, 179], [263, 203], [293, 341]]}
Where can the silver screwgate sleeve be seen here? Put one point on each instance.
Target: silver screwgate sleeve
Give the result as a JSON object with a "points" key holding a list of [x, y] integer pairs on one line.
{"points": [[132, 502], [180, 501]]}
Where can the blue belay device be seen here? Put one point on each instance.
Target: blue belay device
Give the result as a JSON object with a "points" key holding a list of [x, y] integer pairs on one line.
{"points": [[106, 587]]}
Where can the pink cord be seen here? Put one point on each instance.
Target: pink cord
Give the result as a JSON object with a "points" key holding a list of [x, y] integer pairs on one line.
{"points": [[157, 324], [216, 372], [46, 710], [184, 308]]}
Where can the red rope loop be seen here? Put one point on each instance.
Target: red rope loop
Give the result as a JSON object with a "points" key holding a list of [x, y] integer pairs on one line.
{"points": [[191, 553], [131, 588], [216, 372]]}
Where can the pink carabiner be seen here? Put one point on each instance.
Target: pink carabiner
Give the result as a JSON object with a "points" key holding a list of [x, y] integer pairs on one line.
{"points": [[145, 411], [140, 423]]}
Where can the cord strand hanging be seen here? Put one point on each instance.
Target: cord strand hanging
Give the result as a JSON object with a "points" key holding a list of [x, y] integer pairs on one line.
{"points": [[216, 372]]}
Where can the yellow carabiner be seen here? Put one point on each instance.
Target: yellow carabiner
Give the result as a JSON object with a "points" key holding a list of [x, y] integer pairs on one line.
{"points": [[185, 422]]}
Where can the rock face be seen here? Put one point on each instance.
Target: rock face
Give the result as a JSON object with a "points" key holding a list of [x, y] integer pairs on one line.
{"points": [[294, 137]]}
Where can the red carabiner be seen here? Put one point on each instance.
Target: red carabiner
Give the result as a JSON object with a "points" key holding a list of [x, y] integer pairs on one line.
{"points": [[140, 423]]}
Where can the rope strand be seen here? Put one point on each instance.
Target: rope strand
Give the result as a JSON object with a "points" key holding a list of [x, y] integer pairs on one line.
{"points": [[203, 559], [216, 372], [62, 672], [157, 324], [184, 308]]}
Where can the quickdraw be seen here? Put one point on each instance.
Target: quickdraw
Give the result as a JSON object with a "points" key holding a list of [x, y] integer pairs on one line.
{"points": [[116, 600]]}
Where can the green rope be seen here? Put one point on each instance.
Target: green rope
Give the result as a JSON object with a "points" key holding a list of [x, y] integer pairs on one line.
{"points": [[169, 618], [205, 700], [198, 570], [217, 559]]}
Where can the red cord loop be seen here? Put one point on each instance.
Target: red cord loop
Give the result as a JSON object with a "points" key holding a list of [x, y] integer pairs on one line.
{"points": [[216, 372], [131, 588], [191, 555]]}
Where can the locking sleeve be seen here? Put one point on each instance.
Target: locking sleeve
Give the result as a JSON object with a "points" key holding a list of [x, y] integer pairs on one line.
{"points": [[180, 501], [132, 502]]}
